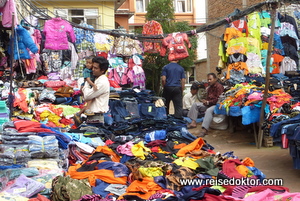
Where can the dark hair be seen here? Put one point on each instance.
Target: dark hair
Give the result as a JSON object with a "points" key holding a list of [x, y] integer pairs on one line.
{"points": [[195, 86], [90, 57], [103, 63], [212, 74]]}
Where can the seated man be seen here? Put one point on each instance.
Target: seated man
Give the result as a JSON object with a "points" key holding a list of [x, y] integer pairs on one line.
{"points": [[190, 98], [213, 91], [100, 97]]}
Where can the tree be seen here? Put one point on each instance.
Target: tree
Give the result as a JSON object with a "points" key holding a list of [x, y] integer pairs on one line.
{"points": [[162, 11]]}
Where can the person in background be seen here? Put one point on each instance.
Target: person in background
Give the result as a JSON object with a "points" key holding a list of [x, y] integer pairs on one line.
{"points": [[173, 83], [190, 98], [213, 91], [98, 98]]}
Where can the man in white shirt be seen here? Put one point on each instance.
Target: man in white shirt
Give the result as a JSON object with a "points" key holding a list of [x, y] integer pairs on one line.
{"points": [[99, 97], [190, 98]]}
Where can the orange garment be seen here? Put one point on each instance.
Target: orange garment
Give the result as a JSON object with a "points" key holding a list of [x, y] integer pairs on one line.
{"points": [[248, 162], [147, 187], [103, 174], [277, 58], [195, 145], [236, 49], [108, 151], [179, 146], [241, 25], [243, 170], [237, 66], [20, 100], [231, 33]]}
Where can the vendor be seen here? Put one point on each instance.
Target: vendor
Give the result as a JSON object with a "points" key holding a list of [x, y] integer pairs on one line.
{"points": [[213, 91], [100, 97]]}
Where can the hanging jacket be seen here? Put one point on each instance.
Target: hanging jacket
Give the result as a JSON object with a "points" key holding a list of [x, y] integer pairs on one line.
{"points": [[22, 41], [7, 11], [56, 31], [174, 43], [152, 28]]}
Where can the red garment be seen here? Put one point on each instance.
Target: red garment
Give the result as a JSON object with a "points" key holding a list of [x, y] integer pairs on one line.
{"points": [[152, 28], [157, 143], [30, 126], [39, 198], [229, 168], [20, 100], [258, 189], [174, 43], [241, 25]]}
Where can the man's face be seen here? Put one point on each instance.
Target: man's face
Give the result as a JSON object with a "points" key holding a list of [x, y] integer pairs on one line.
{"points": [[96, 70], [194, 91], [211, 80]]}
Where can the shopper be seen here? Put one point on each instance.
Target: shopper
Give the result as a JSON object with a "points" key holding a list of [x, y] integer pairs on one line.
{"points": [[213, 91], [173, 81]]}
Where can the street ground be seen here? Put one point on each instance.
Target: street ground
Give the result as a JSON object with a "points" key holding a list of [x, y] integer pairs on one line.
{"points": [[274, 161]]}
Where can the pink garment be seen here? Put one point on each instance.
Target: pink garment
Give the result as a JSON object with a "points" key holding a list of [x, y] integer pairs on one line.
{"points": [[255, 96], [7, 11], [56, 31], [269, 195], [125, 148], [122, 75]]}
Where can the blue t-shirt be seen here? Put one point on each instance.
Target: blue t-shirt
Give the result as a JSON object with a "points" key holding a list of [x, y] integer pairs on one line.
{"points": [[174, 73], [88, 73]]}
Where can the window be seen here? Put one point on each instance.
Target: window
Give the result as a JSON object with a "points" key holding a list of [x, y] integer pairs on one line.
{"points": [[141, 6], [89, 16], [182, 6]]}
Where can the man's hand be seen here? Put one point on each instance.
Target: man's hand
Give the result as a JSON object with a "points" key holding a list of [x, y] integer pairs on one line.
{"points": [[95, 87]]}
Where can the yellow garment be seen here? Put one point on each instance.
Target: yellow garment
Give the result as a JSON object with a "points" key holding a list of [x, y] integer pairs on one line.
{"points": [[151, 171], [220, 188], [187, 162], [265, 46], [139, 150], [51, 117], [243, 170]]}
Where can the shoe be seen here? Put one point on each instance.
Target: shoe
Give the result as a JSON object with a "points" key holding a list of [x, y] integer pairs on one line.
{"points": [[202, 134], [77, 119]]}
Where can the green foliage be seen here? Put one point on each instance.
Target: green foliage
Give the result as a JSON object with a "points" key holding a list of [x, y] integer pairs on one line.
{"points": [[162, 11]]}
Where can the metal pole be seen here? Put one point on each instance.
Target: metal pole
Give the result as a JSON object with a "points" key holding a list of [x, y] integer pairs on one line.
{"points": [[267, 82], [12, 45]]}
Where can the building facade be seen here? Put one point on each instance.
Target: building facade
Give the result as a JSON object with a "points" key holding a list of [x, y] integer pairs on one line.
{"points": [[98, 13]]}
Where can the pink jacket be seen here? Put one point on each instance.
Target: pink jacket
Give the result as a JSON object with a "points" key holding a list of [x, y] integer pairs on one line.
{"points": [[122, 75], [56, 31], [7, 11]]}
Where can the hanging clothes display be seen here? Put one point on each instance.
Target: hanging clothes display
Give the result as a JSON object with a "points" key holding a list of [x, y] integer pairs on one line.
{"points": [[56, 32], [125, 46], [138, 74], [23, 41], [7, 8], [152, 28], [174, 44]]}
